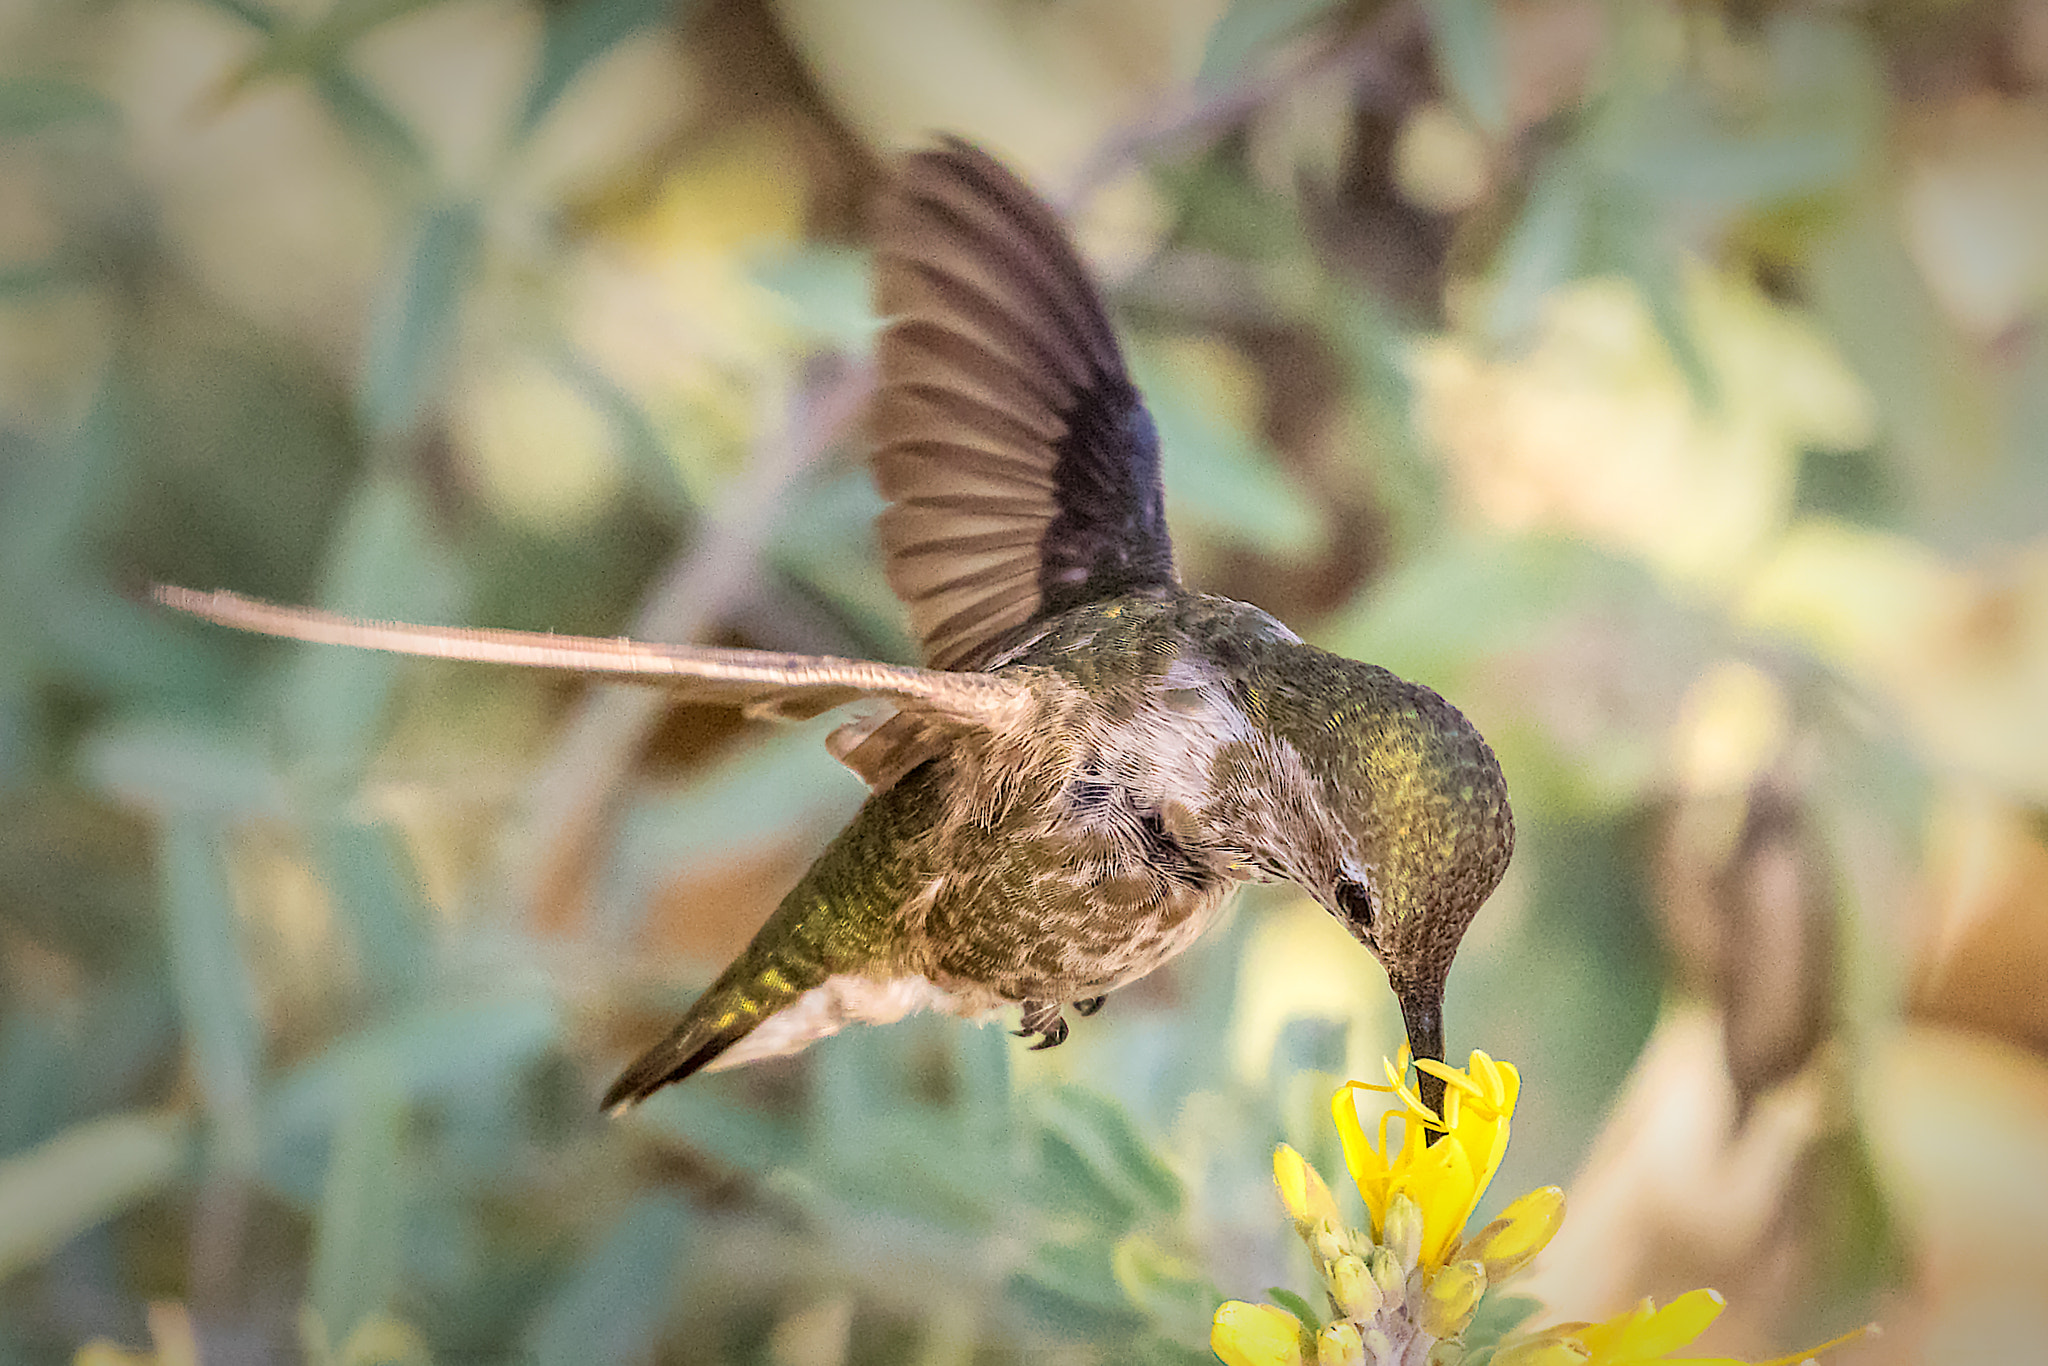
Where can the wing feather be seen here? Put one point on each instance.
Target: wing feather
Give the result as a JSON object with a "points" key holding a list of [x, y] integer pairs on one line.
{"points": [[1021, 465]]}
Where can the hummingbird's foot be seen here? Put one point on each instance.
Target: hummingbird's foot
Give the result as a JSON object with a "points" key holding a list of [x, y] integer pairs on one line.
{"points": [[1043, 1018], [1087, 1008]]}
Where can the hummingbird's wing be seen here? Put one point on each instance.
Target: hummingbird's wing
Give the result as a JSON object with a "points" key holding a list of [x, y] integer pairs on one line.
{"points": [[784, 684], [1021, 465]]}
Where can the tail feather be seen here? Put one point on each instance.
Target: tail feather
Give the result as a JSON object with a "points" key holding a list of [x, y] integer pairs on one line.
{"points": [[689, 1047]]}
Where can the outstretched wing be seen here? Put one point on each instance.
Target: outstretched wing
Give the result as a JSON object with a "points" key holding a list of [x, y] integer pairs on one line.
{"points": [[788, 685], [1021, 465]]}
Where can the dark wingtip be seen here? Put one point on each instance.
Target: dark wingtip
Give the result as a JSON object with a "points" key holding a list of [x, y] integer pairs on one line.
{"points": [[664, 1065]]}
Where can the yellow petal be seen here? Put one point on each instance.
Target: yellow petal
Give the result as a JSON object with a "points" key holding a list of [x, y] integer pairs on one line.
{"points": [[1255, 1335], [1450, 1298], [1543, 1352], [1647, 1332], [1523, 1229], [1302, 1191]]}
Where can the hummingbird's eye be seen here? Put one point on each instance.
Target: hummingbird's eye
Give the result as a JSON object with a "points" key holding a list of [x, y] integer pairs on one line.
{"points": [[1354, 899]]}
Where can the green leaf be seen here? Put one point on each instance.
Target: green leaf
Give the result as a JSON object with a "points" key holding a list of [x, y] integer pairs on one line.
{"points": [[215, 995], [413, 325], [32, 104], [612, 1306], [380, 565], [1497, 1316], [359, 1238], [83, 1177], [1247, 31], [578, 35], [783, 786], [1218, 474], [369, 121], [374, 891], [1297, 1306], [1102, 1135], [827, 288], [1468, 53], [192, 767], [1542, 251], [1169, 1289], [426, 1054]]}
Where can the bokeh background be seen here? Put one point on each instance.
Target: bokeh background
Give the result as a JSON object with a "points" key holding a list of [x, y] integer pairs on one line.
{"points": [[1667, 383]]}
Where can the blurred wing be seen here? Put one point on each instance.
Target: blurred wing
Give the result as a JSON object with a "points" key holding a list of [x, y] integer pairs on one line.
{"points": [[1020, 463], [789, 685]]}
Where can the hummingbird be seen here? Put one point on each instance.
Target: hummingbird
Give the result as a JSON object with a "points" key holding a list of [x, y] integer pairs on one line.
{"points": [[1092, 756]]}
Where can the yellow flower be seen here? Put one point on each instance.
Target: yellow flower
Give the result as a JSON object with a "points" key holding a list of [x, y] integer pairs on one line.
{"points": [[1445, 1179], [1644, 1334], [1256, 1335], [1412, 1280]]}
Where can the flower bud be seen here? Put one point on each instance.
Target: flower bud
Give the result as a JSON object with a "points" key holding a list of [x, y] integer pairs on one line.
{"points": [[1308, 1200], [1328, 1241], [1353, 1288], [1451, 1296], [1256, 1335], [1402, 1233], [1340, 1345], [1378, 1346], [1512, 1241], [1389, 1275]]}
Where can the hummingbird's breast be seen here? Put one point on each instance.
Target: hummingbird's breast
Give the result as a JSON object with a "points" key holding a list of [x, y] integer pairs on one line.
{"points": [[1081, 850]]}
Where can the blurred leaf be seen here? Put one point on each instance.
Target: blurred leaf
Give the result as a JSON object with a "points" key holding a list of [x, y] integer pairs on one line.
{"points": [[642, 448], [1297, 1306], [781, 786], [1542, 250], [1498, 1315], [578, 34], [31, 104], [1218, 474], [320, 45], [827, 289], [1247, 31], [250, 12], [1168, 1289], [381, 564], [1102, 1135], [425, 1054], [1468, 52], [186, 767], [1627, 244], [369, 122], [216, 997], [83, 1177], [613, 1305], [375, 891], [1481, 599], [413, 326], [1072, 1288], [360, 1232], [711, 1121]]}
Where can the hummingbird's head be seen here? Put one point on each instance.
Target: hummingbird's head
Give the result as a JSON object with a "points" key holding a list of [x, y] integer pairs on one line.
{"points": [[1408, 820]]}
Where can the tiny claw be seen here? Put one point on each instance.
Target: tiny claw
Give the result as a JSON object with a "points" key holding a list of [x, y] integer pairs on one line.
{"points": [[1088, 1007], [1055, 1034]]}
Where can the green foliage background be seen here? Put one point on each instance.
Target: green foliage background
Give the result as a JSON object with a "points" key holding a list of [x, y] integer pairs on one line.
{"points": [[1663, 382]]}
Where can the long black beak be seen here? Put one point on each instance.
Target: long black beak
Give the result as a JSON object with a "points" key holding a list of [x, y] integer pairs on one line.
{"points": [[1422, 1010]]}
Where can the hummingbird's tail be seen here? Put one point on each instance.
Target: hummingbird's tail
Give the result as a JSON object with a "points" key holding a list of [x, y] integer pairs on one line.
{"points": [[720, 1018]]}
